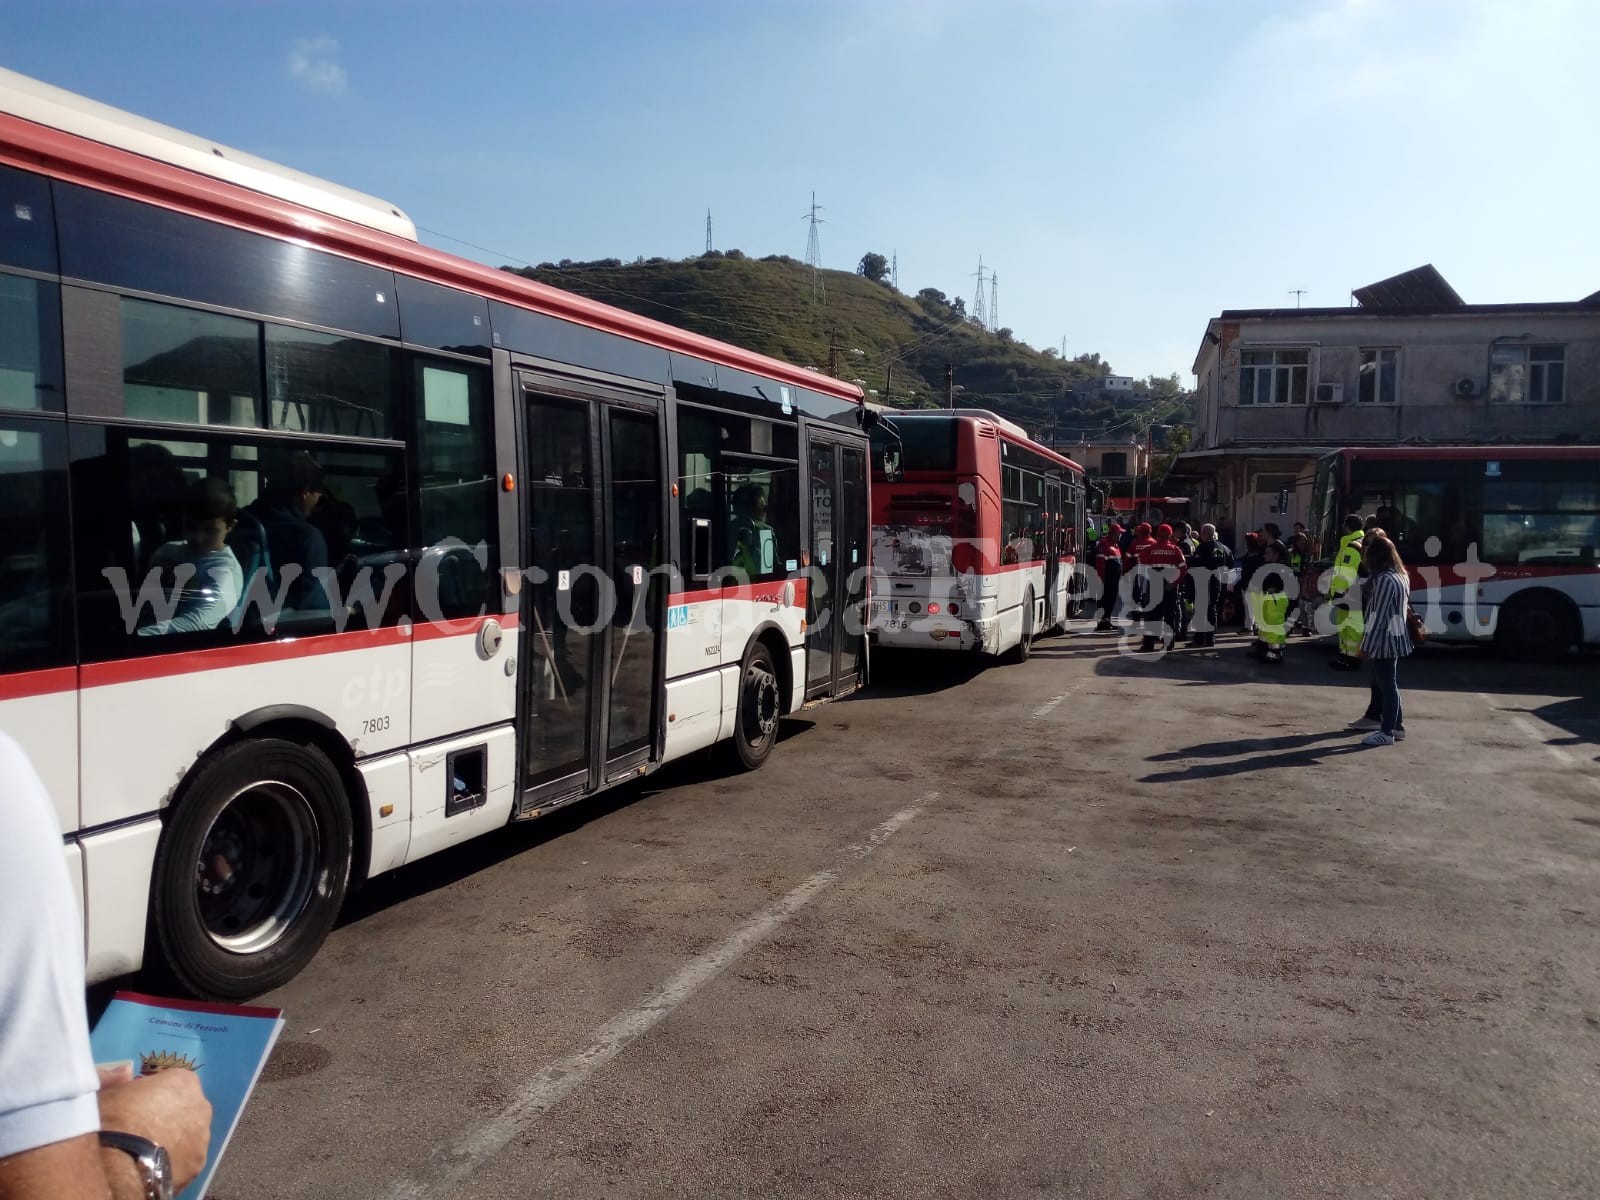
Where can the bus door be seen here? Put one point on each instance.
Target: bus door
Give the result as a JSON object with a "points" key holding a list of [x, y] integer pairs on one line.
{"points": [[1053, 614], [838, 532], [593, 610]]}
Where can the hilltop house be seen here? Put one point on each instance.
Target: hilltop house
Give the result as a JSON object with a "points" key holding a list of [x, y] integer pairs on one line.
{"points": [[1408, 362]]}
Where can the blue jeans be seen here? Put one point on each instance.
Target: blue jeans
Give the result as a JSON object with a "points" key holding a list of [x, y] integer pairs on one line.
{"points": [[1384, 706]]}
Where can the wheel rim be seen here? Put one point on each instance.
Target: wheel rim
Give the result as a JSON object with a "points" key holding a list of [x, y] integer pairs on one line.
{"points": [[761, 713], [256, 870]]}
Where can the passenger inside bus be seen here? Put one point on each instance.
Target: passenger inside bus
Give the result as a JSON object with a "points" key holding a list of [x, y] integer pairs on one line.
{"points": [[294, 486], [209, 592], [754, 544]]}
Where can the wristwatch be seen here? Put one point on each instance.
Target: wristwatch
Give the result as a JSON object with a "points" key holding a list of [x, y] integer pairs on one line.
{"points": [[155, 1168]]}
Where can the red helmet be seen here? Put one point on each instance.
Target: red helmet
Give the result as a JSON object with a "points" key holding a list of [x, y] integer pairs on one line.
{"points": [[1142, 529], [1164, 531]]}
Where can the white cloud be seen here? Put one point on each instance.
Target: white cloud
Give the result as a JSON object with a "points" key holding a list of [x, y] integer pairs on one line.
{"points": [[315, 63]]}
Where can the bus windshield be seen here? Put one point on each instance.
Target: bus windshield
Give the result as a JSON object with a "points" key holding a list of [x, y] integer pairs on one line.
{"points": [[924, 445]]}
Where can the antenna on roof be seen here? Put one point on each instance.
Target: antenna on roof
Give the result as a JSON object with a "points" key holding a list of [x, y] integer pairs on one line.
{"points": [[1297, 293]]}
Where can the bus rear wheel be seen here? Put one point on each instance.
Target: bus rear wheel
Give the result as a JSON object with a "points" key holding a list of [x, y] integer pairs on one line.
{"points": [[1023, 650], [1537, 628], [755, 730], [252, 869]]}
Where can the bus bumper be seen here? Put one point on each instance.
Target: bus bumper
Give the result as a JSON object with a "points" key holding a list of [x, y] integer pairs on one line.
{"points": [[981, 635]]}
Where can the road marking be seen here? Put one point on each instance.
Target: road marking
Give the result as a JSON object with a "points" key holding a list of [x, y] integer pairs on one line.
{"points": [[1538, 735], [1045, 709], [450, 1168]]}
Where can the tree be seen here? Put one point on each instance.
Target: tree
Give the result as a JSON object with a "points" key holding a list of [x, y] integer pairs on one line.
{"points": [[958, 306], [933, 298], [1051, 352], [874, 266], [1004, 334]]}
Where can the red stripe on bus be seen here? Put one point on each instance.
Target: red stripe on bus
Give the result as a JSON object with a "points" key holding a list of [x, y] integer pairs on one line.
{"points": [[38, 683], [1450, 574], [771, 593], [214, 658]]}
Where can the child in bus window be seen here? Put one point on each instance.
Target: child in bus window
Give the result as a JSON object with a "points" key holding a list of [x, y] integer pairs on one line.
{"points": [[208, 595]]}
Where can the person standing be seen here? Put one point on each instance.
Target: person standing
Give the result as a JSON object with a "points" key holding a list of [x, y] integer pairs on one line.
{"points": [[1209, 566], [53, 1103], [1385, 640], [1269, 605], [1251, 561], [1345, 595], [1165, 568], [1108, 565]]}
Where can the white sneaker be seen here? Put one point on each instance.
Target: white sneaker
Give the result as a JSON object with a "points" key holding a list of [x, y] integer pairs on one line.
{"points": [[1366, 723], [1399, 735], [1379, 738]]}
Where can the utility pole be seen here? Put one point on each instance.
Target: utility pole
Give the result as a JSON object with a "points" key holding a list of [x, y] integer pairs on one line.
{"points": [[833, 353], [949, 385], [708, 231], [994, 300], [979, 311], [814, 251], [1297, 293], [888, 380], [894, 269]]}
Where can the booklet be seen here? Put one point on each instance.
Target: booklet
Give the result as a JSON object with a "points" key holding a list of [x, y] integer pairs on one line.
{"points": [[226, 1045]]}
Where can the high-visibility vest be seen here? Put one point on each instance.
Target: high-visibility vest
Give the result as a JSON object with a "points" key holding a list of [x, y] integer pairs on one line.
{"points": [[1271, 613], [1346, 565]]}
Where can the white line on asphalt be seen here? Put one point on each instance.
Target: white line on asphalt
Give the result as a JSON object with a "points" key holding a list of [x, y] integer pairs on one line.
{"points": [[1538, 735], [1045, 709], [450, 1168]]}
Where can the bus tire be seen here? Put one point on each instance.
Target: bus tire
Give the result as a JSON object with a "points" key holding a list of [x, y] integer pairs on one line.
{"points": [[755, 722], [1023, 650], [1537, 628], [252, 869]]}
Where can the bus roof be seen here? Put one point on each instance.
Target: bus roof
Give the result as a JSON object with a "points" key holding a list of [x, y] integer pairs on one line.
{"points": [[69, 112], [69, 137], [1010, 429]]}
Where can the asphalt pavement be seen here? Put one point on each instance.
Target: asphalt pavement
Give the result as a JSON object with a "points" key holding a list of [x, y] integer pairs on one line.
{"points": [[1097, 925]]}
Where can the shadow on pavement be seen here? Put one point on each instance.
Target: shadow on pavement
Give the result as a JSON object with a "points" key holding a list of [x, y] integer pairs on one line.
{"points": [[1237, 746], [451, 866], [910, 673], [1266, 762]]}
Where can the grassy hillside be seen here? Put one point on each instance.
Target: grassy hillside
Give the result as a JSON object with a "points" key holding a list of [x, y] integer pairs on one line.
{"points": [[894, 344]]}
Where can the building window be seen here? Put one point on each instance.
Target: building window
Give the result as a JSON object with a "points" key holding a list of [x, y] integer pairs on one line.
{"points": [[1378, 376], [1527, 374], [1114, 463], [1273, 376]]}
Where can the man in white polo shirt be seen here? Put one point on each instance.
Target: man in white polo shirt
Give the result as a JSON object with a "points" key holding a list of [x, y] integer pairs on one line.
{"points": [[52, 1106]]}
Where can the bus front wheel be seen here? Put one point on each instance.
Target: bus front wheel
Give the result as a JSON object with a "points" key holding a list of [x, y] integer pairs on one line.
{"points": [[252, 869], [755, 729], [1537, 628]]}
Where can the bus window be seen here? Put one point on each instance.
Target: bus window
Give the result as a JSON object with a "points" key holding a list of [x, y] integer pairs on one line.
{"points": [[180, 364], [319, 383], [308, 545], [1544, 524], [30, 344], [35, 631], [456, 488], [751, 497]]}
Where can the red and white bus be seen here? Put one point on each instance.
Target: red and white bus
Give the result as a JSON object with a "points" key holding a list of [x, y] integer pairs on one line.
{"points": [[975, 533], [1501, 541], [322, 551]]}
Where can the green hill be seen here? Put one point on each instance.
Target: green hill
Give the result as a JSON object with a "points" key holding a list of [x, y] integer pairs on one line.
{"points": [[892, 344]]}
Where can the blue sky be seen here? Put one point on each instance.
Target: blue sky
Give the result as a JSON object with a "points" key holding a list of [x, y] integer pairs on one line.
{"points": [[1129, 169]]}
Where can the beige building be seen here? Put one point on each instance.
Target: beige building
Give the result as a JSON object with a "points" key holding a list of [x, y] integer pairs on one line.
{"points": [[1408, 362]]}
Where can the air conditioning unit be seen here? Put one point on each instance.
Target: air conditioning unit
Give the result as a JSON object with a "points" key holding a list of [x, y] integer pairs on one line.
{"points": [[1466, 387], [1329, 393]]}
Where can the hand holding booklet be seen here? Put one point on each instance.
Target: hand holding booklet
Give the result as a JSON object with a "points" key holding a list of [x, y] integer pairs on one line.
{"points": [[226, 1045]]}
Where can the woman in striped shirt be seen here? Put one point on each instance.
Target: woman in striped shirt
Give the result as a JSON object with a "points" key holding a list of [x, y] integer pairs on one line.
{"points": [[1386, 640]]}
